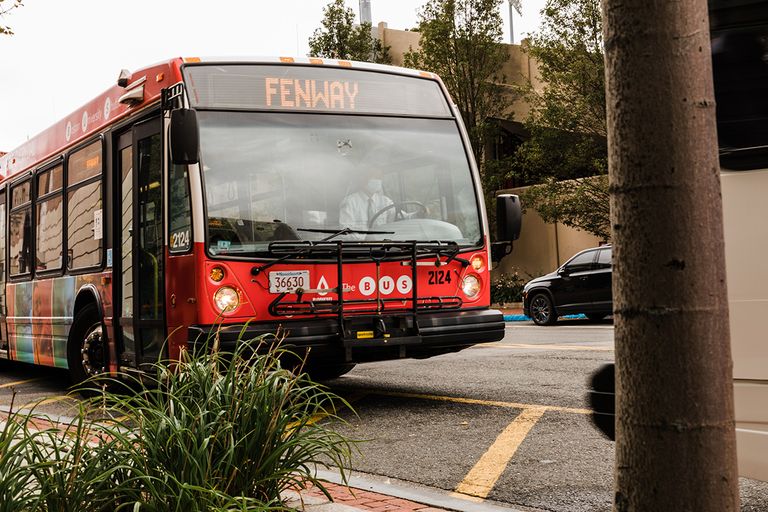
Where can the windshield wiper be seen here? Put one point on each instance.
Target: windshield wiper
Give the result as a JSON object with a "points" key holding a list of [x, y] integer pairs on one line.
{"points": [[334, 233], [450, 249], [345, 231]]}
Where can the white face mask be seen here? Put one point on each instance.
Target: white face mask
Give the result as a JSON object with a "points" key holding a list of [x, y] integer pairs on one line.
{"points": [[374, 186]]}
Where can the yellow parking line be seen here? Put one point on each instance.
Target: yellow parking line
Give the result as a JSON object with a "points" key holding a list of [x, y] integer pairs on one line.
{"points": [[46, 401], [352, 398], [484, 475], [545, 346], [18, 382], [491, 403]]}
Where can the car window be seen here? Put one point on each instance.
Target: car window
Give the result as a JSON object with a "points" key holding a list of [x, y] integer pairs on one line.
{"points": [[581, 262], [605, 258]]}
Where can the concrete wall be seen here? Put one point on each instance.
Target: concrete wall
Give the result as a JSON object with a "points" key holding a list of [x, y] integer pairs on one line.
{"points": [[543, 247], [399, 41], [519, 69]]}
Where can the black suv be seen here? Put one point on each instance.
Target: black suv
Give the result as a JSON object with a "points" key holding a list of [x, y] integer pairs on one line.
{"points": [[581, 285]]}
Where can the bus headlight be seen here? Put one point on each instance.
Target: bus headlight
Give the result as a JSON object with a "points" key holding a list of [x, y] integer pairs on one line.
{"points": [[470, 285], [226, 299]]}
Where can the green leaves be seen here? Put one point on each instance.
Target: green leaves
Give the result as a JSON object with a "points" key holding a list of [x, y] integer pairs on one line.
{"points": [[567, 122], [581, 203], [461, 42], [213, 431], [340, 38], [507, 288]]}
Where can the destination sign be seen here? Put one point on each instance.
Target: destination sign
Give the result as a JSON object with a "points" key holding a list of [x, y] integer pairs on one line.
{"points": [[312, 88]]}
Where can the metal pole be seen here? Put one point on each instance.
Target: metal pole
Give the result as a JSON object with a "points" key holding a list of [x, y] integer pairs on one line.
{"points": [[365, 11], [511, 29]]}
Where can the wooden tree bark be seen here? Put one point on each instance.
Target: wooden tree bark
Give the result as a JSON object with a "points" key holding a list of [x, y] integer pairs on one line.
{"points": [[676, 448]]}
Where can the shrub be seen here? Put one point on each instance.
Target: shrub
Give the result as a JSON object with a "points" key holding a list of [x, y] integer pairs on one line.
{"points": [[212, 431], [506, 288], [15, 479]]}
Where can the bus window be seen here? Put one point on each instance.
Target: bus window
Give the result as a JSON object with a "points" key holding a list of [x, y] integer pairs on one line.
{"points": [[2, 252], [179, 210], [84, 213], [49, 216], [20, 228], [274, 177]]}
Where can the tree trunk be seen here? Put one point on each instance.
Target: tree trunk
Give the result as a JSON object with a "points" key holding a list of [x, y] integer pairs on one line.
{"points": [[676, 446]]}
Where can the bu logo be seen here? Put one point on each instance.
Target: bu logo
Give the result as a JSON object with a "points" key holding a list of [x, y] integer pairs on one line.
{"points": [[386, 285], [322, 284]]}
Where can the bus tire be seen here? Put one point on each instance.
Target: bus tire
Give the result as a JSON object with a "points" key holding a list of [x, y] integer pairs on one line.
{"points": [[543, 309], [87, 351], [328, 371]]}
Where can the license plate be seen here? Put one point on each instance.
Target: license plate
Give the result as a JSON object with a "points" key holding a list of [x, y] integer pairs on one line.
{"points": [[288, 281]]}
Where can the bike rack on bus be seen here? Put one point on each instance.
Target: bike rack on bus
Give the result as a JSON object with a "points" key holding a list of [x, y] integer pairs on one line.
{"points": [[347, 310]]}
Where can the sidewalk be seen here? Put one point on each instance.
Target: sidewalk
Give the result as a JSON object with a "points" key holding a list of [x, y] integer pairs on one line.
{"points": [[512, 313], [380, 494], [348, 499]]}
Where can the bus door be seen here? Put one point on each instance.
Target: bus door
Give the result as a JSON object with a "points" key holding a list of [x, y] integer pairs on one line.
{"points": [[139, 253]]}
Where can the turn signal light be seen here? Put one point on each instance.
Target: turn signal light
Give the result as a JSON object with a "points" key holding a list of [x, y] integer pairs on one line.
{"points": [[217, 274], [478, 263]]}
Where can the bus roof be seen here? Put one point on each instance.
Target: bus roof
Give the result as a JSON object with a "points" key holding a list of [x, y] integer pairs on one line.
{"points": [[106, 109]]}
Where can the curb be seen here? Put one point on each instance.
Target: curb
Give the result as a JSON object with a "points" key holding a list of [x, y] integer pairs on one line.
{"points": [[523, 318], [432, 497]]}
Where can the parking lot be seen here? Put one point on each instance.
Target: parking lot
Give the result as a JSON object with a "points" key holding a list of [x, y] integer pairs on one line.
{"points": [[503, 423]]}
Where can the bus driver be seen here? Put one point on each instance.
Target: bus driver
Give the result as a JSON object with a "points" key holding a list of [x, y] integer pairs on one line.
{"points": [[358, 208]]}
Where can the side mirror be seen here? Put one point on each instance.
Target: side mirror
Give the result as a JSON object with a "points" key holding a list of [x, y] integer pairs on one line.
{"points": [[185, 137], [509, 218], [499, 250]]}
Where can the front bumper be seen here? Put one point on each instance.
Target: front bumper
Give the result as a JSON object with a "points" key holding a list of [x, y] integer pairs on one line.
{"points": [[427, 335]]}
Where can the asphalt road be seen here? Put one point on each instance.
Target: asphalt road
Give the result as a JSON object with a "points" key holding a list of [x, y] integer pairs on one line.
{"points": [[503, 422]]}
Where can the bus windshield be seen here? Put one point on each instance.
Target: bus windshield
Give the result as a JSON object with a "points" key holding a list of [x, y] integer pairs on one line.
{"points": [[297, 176]]}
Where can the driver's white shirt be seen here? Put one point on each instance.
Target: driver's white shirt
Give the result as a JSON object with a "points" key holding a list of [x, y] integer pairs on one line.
{"points": [[358, 207]]}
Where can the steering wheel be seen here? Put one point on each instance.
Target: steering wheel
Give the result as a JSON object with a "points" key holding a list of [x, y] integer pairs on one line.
{"points": [[398, 211]]}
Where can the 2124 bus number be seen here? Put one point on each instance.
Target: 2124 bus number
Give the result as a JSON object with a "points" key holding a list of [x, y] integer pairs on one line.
{"points": [[439, 276], [180, 240]]}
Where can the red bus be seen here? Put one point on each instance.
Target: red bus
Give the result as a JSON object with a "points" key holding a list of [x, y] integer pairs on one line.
{"points": [[337, 202]]}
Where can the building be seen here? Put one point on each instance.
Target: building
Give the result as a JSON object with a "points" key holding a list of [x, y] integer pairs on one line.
{"points": [[542, 247]]}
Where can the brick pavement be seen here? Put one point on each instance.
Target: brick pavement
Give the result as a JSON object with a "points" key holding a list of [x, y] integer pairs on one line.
{"points": [[360, 499]]}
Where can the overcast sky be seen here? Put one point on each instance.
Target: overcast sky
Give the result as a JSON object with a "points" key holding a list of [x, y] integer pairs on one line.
{"points": [[65, 52]]}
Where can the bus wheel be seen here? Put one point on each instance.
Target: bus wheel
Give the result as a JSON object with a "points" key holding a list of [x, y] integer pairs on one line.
{"points": [[542, 310], [328, 371], [87, 353]]}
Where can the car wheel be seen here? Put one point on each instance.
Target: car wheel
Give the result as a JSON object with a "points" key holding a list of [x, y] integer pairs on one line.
{"points": [[542, 310], [596, 317]]}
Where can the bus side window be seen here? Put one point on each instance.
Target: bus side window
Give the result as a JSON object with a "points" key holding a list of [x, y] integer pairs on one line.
{"points": [[48, 217], [84, 207], [20, 236], [3, 238], [180, 211]]}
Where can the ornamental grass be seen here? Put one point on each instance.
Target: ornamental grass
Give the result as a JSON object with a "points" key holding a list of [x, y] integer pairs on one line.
{"points": [[211, 431]]}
